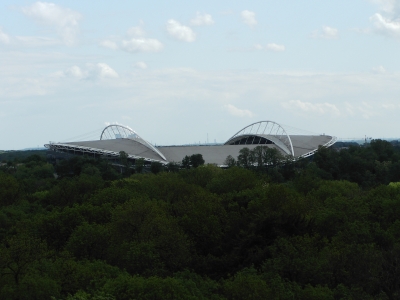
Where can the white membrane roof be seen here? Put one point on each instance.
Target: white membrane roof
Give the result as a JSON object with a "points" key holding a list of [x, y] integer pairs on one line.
{"points": [[130, 142]]}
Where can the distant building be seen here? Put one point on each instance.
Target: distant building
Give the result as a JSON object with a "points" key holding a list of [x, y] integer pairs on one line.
{"points": [[116, 138]]}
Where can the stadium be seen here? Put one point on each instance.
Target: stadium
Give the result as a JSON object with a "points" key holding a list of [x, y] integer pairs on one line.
{"points": [[117, 138]]}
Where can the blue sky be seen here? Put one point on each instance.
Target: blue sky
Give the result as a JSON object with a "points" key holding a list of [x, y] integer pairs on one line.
{"points": [[175, 71]]}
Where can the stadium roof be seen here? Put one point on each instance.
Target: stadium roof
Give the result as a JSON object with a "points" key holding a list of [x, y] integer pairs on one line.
{"points": [[116, 138]]}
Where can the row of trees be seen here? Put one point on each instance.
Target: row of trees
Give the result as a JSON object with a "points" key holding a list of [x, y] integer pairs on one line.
{"points": [[286, 231], [260, 157], [155, 167], [368, 165]]}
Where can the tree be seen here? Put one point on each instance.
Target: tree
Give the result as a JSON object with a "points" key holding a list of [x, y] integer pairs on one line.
{"points": [[272, 156], [139, 165], [156, 167], [383, 149], [90, 170], [196, 160], [123, 158], [246, 284], [89, 241], [18, 253], [186, 162], [244, 157], [257, 156], [9, 189], [146, 237], [230, 161], [173, 167]]}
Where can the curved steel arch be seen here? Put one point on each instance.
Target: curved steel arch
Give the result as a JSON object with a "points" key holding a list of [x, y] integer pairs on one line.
{"points": [[269, 130], [115, 131]]}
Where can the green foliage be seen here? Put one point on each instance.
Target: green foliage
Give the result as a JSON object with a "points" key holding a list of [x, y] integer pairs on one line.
{"points": [[136, 287], [200, 176], [324, 228], [232, 180], [9, 189], [139, 165], [143, 226], [196, 160], [186, 162], [395, 185], [247, 285], [172, 167], [89, 241], [82, 295], [156, 167], [230, 161], [193, 161], [22, 155], [244, 159]]}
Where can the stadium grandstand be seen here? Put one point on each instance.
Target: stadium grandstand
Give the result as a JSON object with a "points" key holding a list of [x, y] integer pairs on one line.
{"points": [[116, 138]]}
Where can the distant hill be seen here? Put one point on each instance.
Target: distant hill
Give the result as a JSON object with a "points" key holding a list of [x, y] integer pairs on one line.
{"points": [[36, 149], [20, 154], [345, 144]]}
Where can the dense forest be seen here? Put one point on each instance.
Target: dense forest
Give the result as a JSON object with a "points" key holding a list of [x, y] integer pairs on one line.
{"points": [[327, 227]]}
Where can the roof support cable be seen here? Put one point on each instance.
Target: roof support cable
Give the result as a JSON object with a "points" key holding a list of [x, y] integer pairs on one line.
{"points": [[258, 127], [265, 127], [119, 132], [272, 128], [112, 128], [272, 131]]}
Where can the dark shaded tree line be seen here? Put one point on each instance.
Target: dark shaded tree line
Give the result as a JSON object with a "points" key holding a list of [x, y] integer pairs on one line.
{"points": [[300, 230], [368, 165]]}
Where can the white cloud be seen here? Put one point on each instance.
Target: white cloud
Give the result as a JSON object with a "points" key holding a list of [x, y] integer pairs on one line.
{"points": [[329, 32], [134, 42], [194, 93], [141, 65], [386, 26], [367, 110], [202, 19], [387, 20], [28, 41], [105, 71], [249, 18], [275, 47], [4, 38], [92, 71], [391, 106], [349, 109], [388, 6], [326, 33], [180, 32], [142, 45], [237, 112], [316, 108], [36, 41], [112, 123], [270, 47], [136, 31], [76, 72], [379, 70], [109, 44], [65, 20]]}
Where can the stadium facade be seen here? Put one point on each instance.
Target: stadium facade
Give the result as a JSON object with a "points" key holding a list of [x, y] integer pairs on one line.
{"points": [[116, 138]]}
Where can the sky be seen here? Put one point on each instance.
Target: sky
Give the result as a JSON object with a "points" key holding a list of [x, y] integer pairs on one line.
{"points": [[181, 72]]}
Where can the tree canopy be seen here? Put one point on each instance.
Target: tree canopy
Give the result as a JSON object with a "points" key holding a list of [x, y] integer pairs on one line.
{"points": [[267, 227]]}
